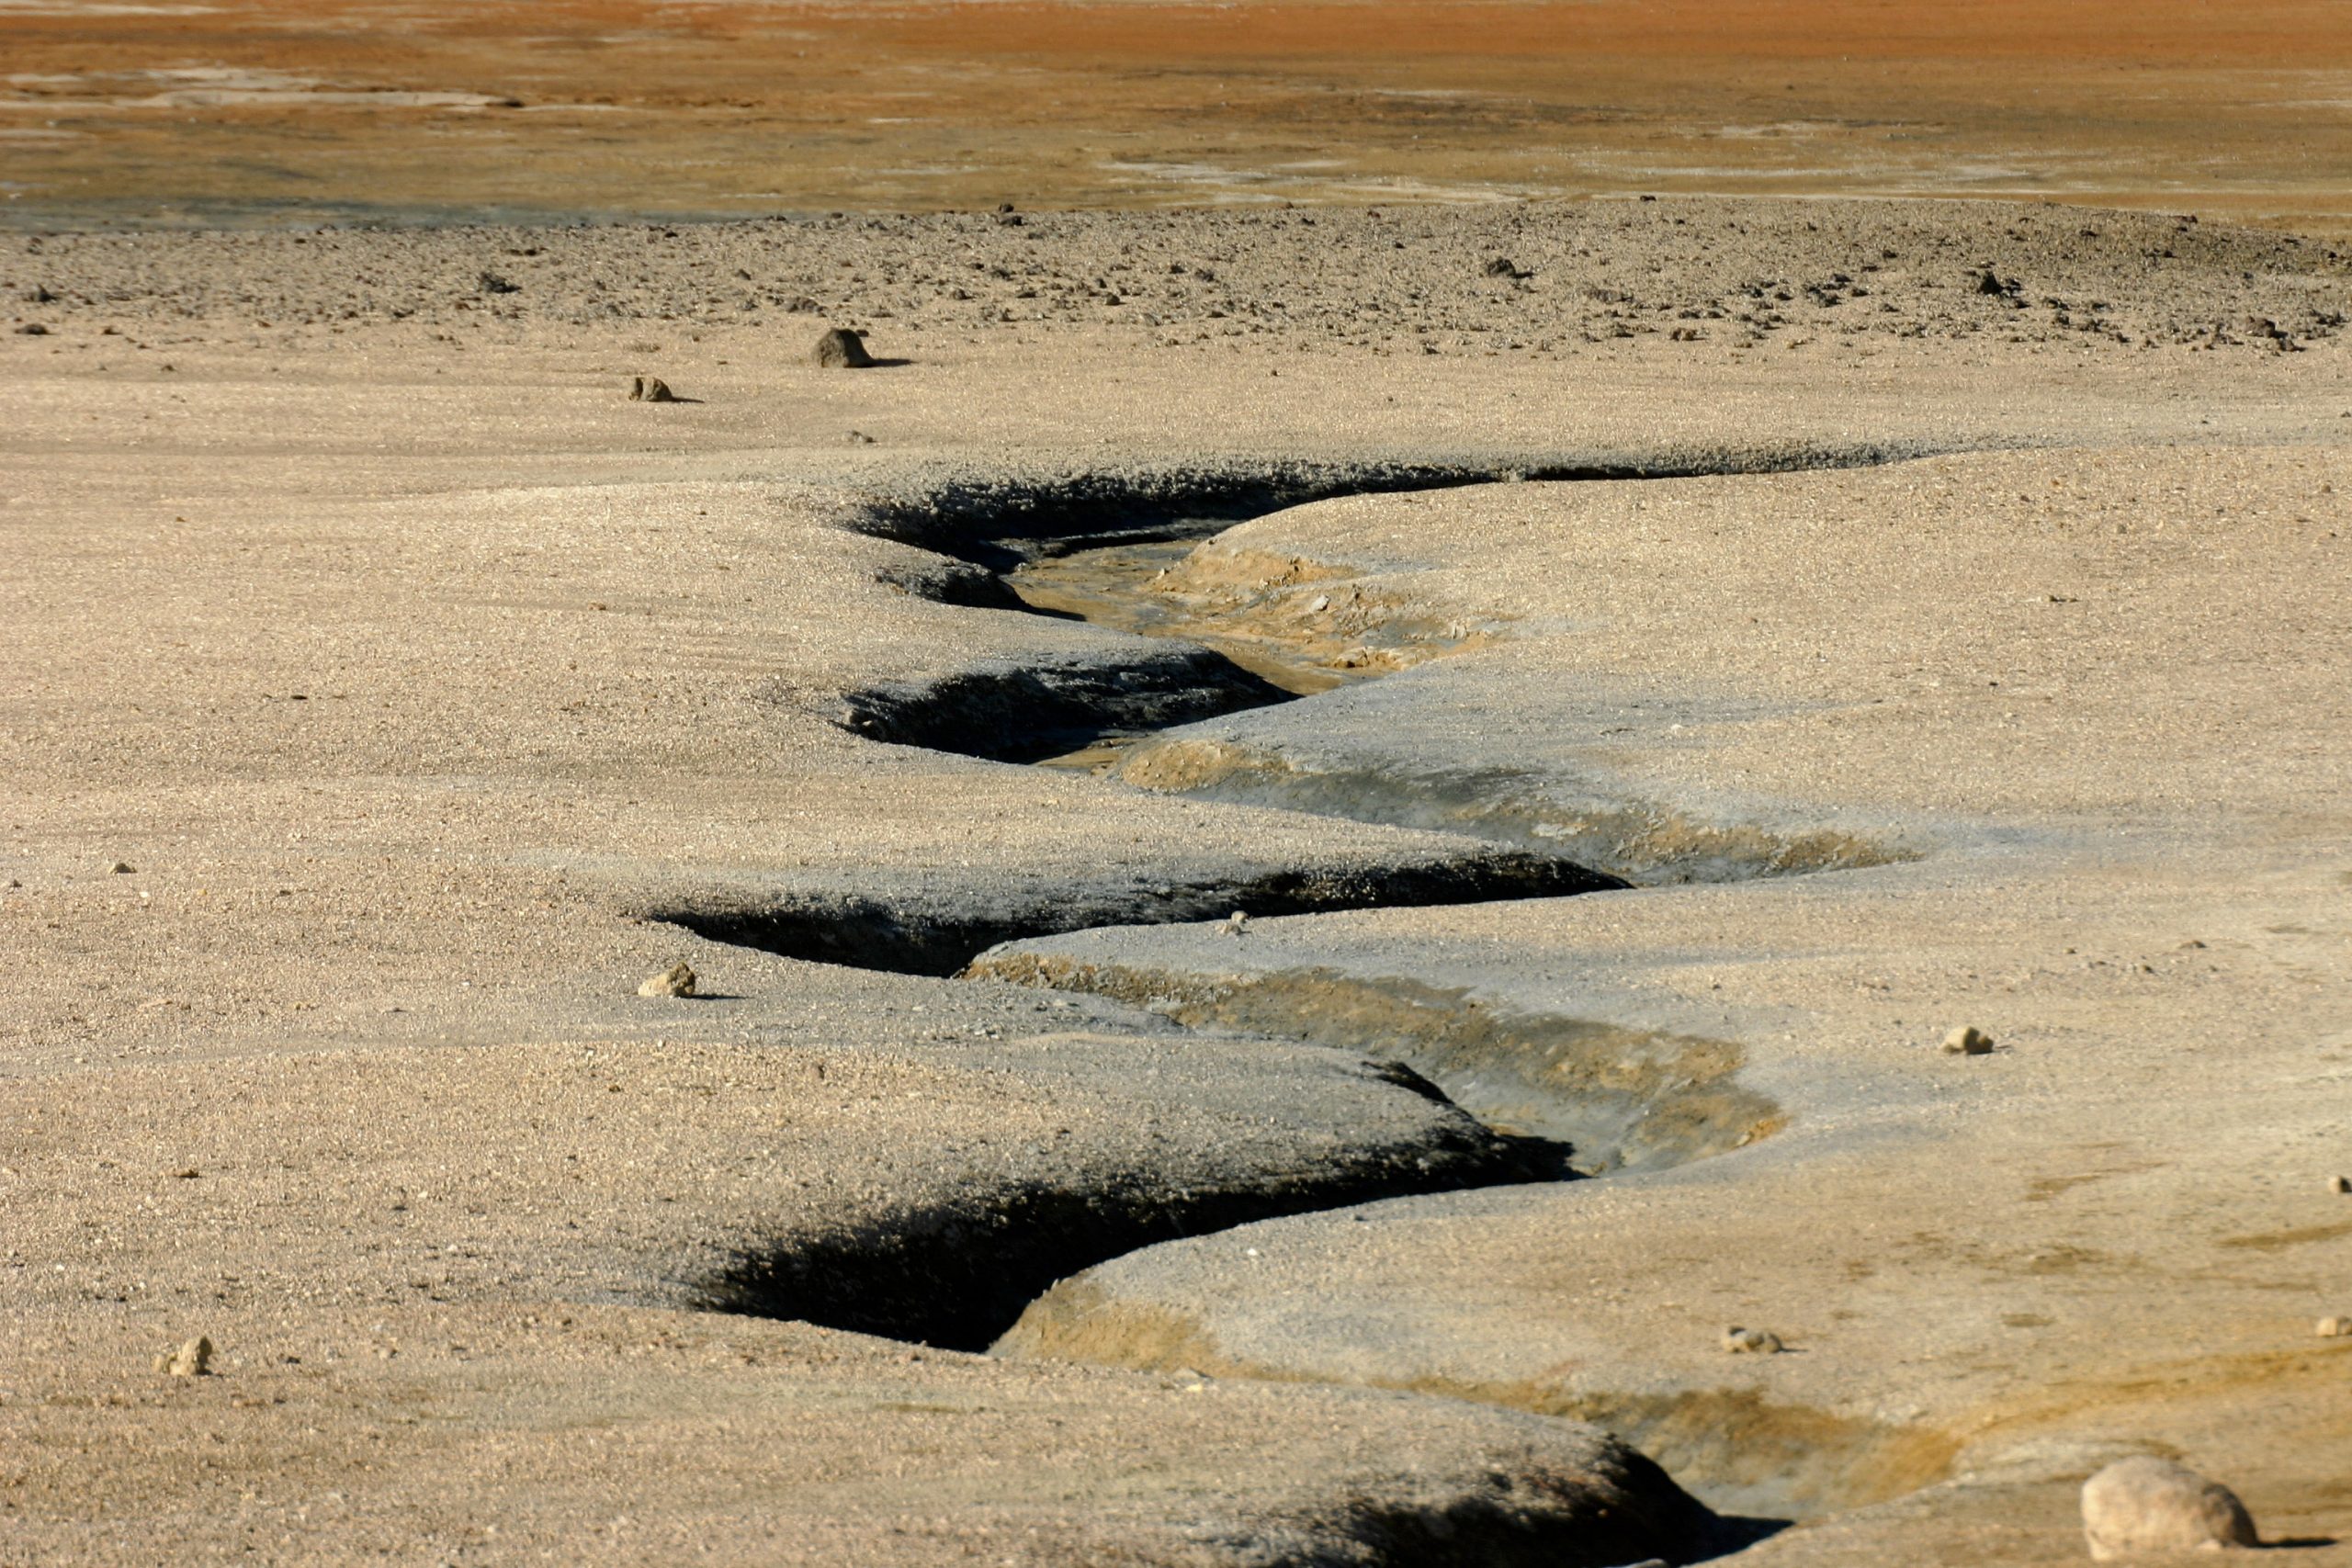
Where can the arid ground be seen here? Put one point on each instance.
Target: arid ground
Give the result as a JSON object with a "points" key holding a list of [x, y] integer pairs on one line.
{"points": [[1530, 783], [1751, 639], [254, 110]]}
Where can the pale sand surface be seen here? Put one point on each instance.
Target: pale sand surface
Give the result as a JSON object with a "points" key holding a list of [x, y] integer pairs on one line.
{"points": [[566, 664]]}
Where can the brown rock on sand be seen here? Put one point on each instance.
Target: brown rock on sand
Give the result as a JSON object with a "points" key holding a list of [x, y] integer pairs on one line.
{"points": [[193, 1359], [842, 349], [677, 980], [1968, 1041], [2146, 1504]]}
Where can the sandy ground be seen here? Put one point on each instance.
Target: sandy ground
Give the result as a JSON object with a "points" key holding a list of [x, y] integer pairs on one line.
{"points": [[2129, 878], [420, 682], [346, 110]]}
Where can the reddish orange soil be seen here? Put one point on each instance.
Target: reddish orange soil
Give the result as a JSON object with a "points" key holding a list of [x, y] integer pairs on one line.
{"points": [[250, 107]]}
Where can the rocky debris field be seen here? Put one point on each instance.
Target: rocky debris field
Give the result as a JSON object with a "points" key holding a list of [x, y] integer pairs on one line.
{"points": [[1535, 279]]}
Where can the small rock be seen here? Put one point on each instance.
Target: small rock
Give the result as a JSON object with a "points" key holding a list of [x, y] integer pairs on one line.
{"points": [[491, 283], [2341, 1186], [1988, 284], [39, 294], [657, 390], [2148, 1504], [675, 981], [1740, 1341], [842, 349], [120, 868], [2334, 1328], [1503, 267], [1968, 1041], [2262, 329], [192, 1359], [859, 438], [1235, 922], [32, 329]]}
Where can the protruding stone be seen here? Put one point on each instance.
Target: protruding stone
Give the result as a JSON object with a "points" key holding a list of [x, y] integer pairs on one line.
{"points": [[120, 868], [192, 1359], [2148, 1504], [1236, 922], [1968, 1041], [2340, 1186], [842, 349], [1739, 1341], [650, 389], [2335, 1328], [675, 981]]}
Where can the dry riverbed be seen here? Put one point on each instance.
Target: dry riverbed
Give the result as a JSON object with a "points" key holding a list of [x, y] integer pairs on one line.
{"points": [[1716, 698]]}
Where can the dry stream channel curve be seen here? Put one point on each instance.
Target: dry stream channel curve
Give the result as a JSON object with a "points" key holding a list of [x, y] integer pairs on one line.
{"points": [[1546, 1098]]}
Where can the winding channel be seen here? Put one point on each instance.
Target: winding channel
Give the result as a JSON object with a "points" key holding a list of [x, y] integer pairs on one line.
{"points": [[1536, 1098], [1530, 1097]]}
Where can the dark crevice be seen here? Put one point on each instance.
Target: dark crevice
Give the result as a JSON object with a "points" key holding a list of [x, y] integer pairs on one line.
{"points": [[999, 524], [1049, 706], [1028, 713], [1546, 1521], [919, 937], [958, 1275]]}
